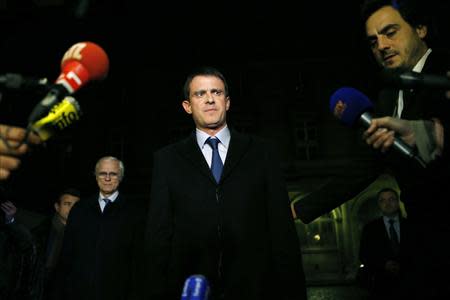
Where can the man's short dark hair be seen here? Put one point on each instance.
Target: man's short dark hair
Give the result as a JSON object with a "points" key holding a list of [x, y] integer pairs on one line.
{"points": [[414, 12], [203, 71], [69, 191], [387, 189]]}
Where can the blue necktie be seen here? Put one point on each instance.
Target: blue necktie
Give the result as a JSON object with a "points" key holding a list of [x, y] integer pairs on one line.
{"points": [[216, 163], [107, 202], [394, 237]]}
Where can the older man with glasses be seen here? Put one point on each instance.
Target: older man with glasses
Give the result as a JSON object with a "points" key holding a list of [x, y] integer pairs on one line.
{"points": [[102, 247], [109, 172]]}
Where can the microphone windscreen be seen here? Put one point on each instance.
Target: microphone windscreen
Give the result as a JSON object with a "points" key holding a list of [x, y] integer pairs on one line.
{"points": [[196, 287], [347, 104], [91, 56]]}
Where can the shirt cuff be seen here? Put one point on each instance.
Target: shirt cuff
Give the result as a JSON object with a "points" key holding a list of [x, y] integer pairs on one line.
{"points": [[428, 138], [10, 221]]}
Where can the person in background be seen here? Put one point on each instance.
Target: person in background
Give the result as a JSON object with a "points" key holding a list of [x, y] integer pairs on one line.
{"points": [[101, 254], [398, 33], [49, 236], [17, 256], [380, 249]]}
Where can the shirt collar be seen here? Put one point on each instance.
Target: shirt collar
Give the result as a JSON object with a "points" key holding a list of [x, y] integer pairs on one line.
{"points": [[419, 66], [111, 198], [223, 135], [386, 219]]}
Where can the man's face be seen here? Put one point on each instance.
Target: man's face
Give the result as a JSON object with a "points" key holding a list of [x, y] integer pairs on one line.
{"points": [[207, 103], [394, 43], [388, 203], [108, 176], [64, 206]]}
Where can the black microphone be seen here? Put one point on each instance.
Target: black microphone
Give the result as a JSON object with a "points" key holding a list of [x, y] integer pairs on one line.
{"points": [[14, 81], [412, 80], [61, 116], [351, 106]]}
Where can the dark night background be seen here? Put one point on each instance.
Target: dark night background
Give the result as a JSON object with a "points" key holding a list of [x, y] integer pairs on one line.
{"points": [[282, 62]]}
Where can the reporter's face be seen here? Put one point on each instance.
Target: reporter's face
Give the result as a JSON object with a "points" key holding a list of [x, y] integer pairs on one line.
{"points": [[394, 43]]}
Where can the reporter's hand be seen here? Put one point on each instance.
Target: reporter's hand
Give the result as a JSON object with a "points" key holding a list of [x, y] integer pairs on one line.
{"points": [[381, 132], [11, 138]]}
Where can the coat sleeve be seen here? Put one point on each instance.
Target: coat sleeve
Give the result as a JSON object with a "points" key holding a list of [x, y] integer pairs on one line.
{"points": [[64, 264], [159, 229], [285, 245]]}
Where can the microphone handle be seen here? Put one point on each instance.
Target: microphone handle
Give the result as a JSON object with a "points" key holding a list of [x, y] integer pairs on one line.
{"points": [[419, 80], [55, 94], [365, 119], [404, 148], [399, 144]]}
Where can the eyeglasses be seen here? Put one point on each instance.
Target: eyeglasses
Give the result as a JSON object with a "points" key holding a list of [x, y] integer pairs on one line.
{"points": [[112, 175]]}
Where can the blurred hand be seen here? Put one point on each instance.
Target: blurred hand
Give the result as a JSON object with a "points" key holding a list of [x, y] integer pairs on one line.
{"points": [[9, 209], [10, 138]]}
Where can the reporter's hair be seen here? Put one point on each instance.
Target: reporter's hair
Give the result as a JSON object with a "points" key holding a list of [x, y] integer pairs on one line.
{"points": [[414, 12]]}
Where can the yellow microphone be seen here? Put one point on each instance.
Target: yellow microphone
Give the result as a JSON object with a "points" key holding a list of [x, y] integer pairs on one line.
{"points": [[61, 116]]}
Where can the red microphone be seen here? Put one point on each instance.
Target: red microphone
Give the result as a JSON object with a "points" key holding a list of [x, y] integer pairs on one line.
{"points": [[83, 62]]}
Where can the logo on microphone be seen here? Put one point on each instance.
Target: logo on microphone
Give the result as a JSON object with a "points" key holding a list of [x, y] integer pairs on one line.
{"points": [[74, 52], [339, 109], [61, 116]]}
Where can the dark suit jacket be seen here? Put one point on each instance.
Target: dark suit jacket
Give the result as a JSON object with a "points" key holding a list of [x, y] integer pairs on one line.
{"points": [[416, 183], [375, 250], [422, 104], [49, 236], [17, 260], [423, 190], [101, 250], [239, 233]]}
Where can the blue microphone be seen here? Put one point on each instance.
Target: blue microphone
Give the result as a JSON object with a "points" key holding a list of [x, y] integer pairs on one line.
{"points": [[195, 287], [351, 106]]}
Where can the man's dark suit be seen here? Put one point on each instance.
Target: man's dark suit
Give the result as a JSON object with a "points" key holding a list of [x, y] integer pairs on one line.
{"points": [[375, 250], [101, 250], [423, 190], [421, 104], [239, 233], [416, 183]]}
